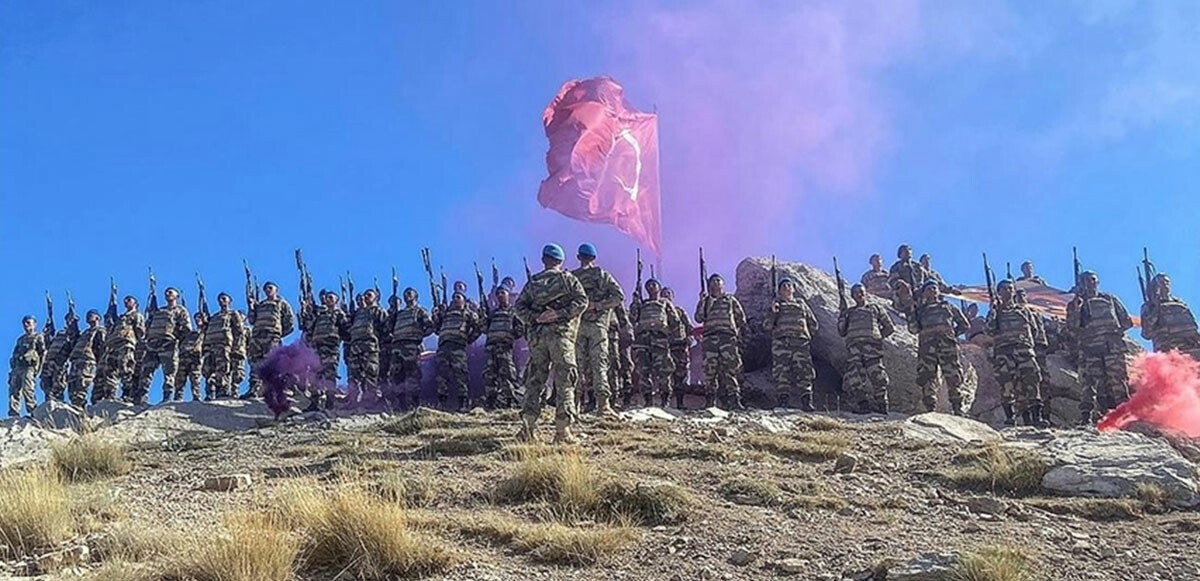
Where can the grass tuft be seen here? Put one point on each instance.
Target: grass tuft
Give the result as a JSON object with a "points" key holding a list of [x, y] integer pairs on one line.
{"points": [[815, 447], [407, 490], [87, 458], [461, 442], [999, 470], [251, 548], [993, 564], [420, 420], [751, 491], [1097, 509], [35, 510], [552, 543], [687, 451]]}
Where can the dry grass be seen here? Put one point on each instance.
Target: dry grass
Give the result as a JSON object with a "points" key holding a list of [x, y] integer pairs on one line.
{"points": [[646, 504], [999, 470], [818, 423], [752, 491], [88, 457], [807, 447], [251, 548], [406, 489], [461, 442], [35, 510], [687, 451], [420, 420], [1097, 509], [552, 543], [993, 564], [522, 452], [136, 543]]}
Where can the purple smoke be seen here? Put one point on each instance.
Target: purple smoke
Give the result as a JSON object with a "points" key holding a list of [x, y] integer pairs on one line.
{"points": [[288, 368]]}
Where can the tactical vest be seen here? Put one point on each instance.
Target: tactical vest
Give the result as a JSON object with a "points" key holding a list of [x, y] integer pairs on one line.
{"points": [[455, 327], [1014, 327], [501, 326], [910, 272], [862, 323], [327, 326], [219, 330], [876, 281], [362, 328], [791, 320], [26, 354], [165, 321], [652, 316], [191, 346], [268, 318], [1100, 315], [935, 316], [60, 347], [1174, 318], [720, 315], [682, 327], [84, 350], [549, 290], [409, 324], [125, 331], [593, 278]]}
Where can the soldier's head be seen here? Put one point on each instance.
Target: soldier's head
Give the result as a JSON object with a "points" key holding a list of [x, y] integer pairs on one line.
{"points": [[1027, 269], [410, 296], [93, 317], [330, 300], [876, 261], [131, 303], [171, 294], [358, 300], [458, 300], [502, 297], [926, 260], [369, 297], [669, 294], [71, 318], [1021, 297], [224, 300], [1004, 290], [1160, 286], [586, 254], [508, 282], [972, 311], [930, 291], [460, 287], [271, 289], [553, 255], [394, 301], [904, 252], [199, 319], [858, 292], [787, 289], [716, 285], [653, 288], [1089, 282], [29, 323]]}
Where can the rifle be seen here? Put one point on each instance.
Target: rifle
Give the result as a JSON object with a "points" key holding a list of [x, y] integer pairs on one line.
{"points": [[48, 328], [378, 291], [1075, 256], [251, 286], [483, 300], [1142, 286], [445, 293], [395, 289], [74, 318], [152, 304], [200, 296], [495, 275], [703, 272], [1008, 268], [774, 276], [342, 285], [110, 314], [433, 294], [306, 289], [841, 285], [350, 293], [528, 273], [652, 272], [1150, 273], [637, 289], [991, 281]]}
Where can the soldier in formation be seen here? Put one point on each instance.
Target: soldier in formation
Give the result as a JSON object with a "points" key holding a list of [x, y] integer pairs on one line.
{"points": [[325, 327], [655, 321], [502, 328], [1015, 332], [1099, 321], [166, 327], [681, 342], [224, 335], [724, 321], [457, 326], [368, 330], [865, 326], [620, 348], [59, 343], [591, 346], [118, 367], [1027, 274], [791, 324], [409, 326], [271, 320], [937, 324], [906, 277], [88, 347], [1167, 321], [877, 280], [24, 366], [191, 360]]}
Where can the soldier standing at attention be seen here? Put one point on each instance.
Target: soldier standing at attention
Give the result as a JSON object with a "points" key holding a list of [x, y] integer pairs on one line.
{"points": [[224, 333], [654, 320], [457, 326], [1015, 332], [118, 366], [24, 367], [87, 350], [865, 326], [1167, 322], [166, 327], [368, 328], [876, 279], [58, 352], [620, 336], [326, 327], [926, 262], [906, 278], [681, 341], [409, 328], [550, 306], [591, 353], [500, 371], [937, 324], [271, 320], [191, 360], [1027, 274], [1099, 321], [723, 320], [791, 324], [1041, 349]]}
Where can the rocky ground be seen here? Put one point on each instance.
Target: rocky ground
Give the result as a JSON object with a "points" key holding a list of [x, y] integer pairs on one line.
{"points": [[770, 494]]}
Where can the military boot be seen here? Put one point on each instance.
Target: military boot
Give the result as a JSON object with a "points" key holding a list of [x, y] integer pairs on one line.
{"points": [[663, 398], [1027, 418], [710, 400], [442, 403], [679, 401], [806, 403], [1085, 419], [783, 401], [735, 402], [562, 432], [528, 431], [416, 400], [590, 404], [1035, 417], [1008, 414], [464, 404], [626, 400], [606, 410], [647, 400], [956, 408]]}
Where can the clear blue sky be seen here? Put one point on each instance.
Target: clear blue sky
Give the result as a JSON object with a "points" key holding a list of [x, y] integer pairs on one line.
{"points": [[190, 135]]}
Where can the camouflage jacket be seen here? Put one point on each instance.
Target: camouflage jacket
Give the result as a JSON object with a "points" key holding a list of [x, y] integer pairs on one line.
{"points": [[191, 347], [411, 325], [876, 282], [683, 331], [790, 319], [30, 351], [1096, 318], [369, 325], [603, 291], [272, 318], [89, 346], [937, 318], [908, 271], [654, 316], [457, 326], [555, 290], [720, 315], [325, 326], [1014, 326], [865, 322], [60, 344], [1169, 324], [503, 327], [225, 328], [170, 323], [127, 330]]}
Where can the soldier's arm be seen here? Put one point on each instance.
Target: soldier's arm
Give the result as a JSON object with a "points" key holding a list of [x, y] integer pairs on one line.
{"points": [[688, 327], [961, 324], [843, 323], [813, 324], [183, 324], [673, 321], [287, 318], [698, 314], [1149, 320], [523, 308], [613, 294], [98, 342], [578, 299], [914, 325], [886, 327], [1039, 330], [739, 314], [426, 323], [1122, 314]]}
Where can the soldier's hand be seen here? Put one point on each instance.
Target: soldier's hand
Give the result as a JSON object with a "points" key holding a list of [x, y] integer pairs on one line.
{"points": [[548, 316], [775, 307]]}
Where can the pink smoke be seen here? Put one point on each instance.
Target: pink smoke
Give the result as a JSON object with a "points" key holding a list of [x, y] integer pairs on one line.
{"points": [[1167, 395], [288, 368]]}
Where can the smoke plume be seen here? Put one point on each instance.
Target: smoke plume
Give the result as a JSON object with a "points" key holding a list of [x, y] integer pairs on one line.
{"points": [[288, 368], [1167, 395]]}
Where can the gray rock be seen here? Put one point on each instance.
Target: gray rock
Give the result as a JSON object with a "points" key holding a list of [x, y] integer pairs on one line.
{"points": [[792, 566], [58, 415], [650, 413], [938, 427], [227, 483], [1114, 465], [986, 505], [742, 557], [112, 411], [845, 463], [927, 567], [24, 440]]}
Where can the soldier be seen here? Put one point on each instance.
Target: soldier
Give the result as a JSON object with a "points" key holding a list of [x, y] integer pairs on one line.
{"points": [[1015, 332], [681, 341], [191, 360], [271, 320], [224, 334], [791, 324], [1044, 333], [937, 324], [620, 337], [409, 328], [87, 350], [457, 326], [865, 326], [550, 306], [385, 344], [1099, 321], [604, 294], [325, 328], [54, 369], [368, 328], [723, 321], [1167, 322], [503, 328], [1027, 274], [931, 274], [166, 327], [876, 280], [906, 278], [461, 287], [119, 364], [24, 366], [654, 321], [238, 356]]}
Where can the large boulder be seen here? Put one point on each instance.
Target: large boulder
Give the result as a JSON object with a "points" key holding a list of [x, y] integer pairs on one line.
{"points": [[58, 415], [1116, 465], [829, 350], [163, 422], [945, 428], [24, 440]]}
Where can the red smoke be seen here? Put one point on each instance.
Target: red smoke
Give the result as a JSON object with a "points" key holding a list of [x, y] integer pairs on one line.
{"points": [[1167, 395]]}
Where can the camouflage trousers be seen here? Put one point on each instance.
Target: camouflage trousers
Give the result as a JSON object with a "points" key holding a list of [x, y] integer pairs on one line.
{"points": [[237, 369], [362, 363], [866, 380], [452, 370], [257, 350], [1044, 387], [117, 367], [792, 368], [591, 353], [217, 370], [722, 365], [939, 353], [681, 374], [500, 374], [82, 373], [1103, 371], [20, 387], [190, 368], [620, 371], [385, 360], [405, 370], [162, 353], [1017, 372], [329, 353], [652, 365], [54, 379], [551, 347]]}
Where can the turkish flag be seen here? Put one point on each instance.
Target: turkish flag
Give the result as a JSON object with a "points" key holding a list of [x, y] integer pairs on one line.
{"points": [[603, 160]]}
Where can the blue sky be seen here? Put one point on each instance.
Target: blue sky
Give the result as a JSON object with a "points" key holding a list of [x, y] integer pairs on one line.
{"points": [[189, 136]]}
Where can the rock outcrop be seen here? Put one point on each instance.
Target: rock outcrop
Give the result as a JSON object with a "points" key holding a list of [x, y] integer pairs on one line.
{"points": [[1118, 465]]}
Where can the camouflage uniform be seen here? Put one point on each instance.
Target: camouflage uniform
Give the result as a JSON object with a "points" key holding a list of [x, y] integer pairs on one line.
{"points": [[723, 320], [500, 371], [24, 365], [792, 324], [87, 350], [591, 353], [1169, 324], [681, 341], [166, 327], [1015, 331], [910, 272], [410, 327], [368, 327], [456, 328], [620, 344], [866, 380], [551, 345], [1035, 279], [324, 330], [191, 362], [654, 322], [237, 356], [1099, 322], [270, 321], [224, 332], [54, 370], [937, 325], [118, 366], [877, 282]]}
